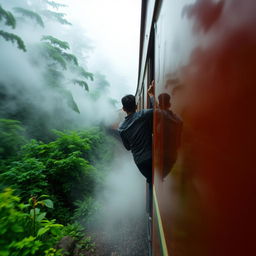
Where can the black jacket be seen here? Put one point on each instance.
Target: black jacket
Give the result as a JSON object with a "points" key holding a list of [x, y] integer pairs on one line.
{"points": [[136, 134]]}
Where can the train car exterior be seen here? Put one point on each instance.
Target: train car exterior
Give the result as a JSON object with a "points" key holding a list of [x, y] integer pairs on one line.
{"points": [[202, 53]]}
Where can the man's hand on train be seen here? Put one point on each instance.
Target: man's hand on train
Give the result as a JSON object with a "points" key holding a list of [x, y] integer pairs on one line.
{"points": [[151, 89]]}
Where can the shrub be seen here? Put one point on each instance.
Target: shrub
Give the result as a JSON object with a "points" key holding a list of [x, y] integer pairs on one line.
{"points": [[27, 176], [11, 137], [16, 220], [69, 168]]}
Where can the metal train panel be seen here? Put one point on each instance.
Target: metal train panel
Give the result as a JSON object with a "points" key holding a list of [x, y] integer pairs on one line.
{"points": [[204, 174]]}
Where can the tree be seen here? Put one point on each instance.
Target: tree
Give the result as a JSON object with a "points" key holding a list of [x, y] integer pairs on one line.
{"points": [[11, 22], [51, 59]]}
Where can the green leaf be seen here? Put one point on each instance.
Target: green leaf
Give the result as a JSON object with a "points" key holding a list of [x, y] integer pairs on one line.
{"points": [[9, 18], [17, 228], [70, 100], [55, 41], [43, 196], [85, 74], [3, 231], [13, 38], [48, 203], [42, 231], [31, 201], [41, 216], [30, 14], [57, 16], [37, 211], [55, 5], [81, 83], [54, 53], [70, 58], [4, 253], [23, 206]]}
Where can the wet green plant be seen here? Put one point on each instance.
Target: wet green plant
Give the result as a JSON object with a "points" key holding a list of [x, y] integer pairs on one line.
{"points": [[68, 169], [86, 244], [30, 14], [11, 137], [16, 220], [36, 215], [10, 21]]}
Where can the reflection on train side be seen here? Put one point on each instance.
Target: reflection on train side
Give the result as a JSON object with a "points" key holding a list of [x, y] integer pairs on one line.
{"points": [[168, 131]]}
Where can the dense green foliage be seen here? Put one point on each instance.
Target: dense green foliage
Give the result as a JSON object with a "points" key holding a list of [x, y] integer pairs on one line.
{"points": [[11, 137], [13, 38], [24, 228], [55, 41], [8, 17], [66, 164], [69, 170], [55, 50], [10, 21]]}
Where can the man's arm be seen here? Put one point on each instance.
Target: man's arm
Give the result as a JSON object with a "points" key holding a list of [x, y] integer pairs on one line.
{"points": [[125, 142], [151, 94], [151, 102]]}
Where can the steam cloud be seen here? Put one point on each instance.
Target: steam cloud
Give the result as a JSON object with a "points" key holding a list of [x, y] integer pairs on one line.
{"points": [[22, 78], [22, 75], [122, 218]]}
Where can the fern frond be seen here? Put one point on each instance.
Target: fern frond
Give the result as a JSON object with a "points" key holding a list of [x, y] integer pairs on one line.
{"points": [[53, 77], [13, 38], [57, 16], [54, 4], [69, 99], [9, 18], [70, 58], [30, 14], [85, 74], [54, 53], [81, 83], [55, 41]]}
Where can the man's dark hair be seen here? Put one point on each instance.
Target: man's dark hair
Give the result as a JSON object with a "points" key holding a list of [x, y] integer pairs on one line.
{"points": [[129, 103]]}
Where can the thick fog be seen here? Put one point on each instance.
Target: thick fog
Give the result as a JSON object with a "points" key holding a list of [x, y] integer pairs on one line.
{"points": [[23, 74], [38, 88], [114, 27], [122, 220]]}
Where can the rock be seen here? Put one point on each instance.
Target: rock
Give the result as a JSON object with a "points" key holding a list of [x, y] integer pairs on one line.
{"points": [[67, 244]]}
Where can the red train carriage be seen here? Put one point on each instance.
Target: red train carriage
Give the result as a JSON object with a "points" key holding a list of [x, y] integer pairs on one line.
{"points": [[202, 53]]}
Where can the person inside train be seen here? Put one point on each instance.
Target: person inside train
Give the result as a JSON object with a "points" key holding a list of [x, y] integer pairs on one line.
{"points": [[136, 133]]}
